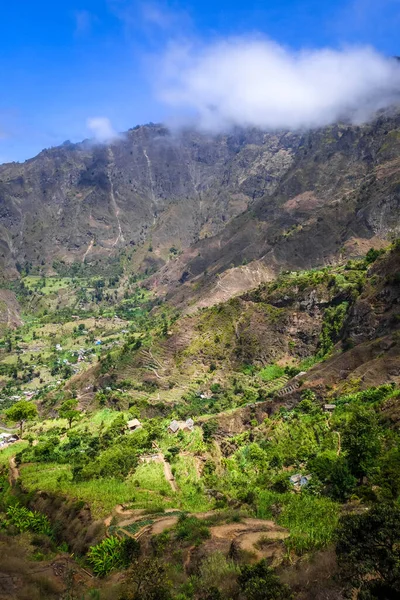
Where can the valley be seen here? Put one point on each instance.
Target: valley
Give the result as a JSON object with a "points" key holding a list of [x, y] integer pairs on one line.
{"points": [[285, 399], [200, 300]]}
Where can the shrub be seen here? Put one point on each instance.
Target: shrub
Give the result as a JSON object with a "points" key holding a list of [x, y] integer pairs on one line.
{"points": [[334, 318], [271, 372], [191, 529], [210, 428], [107, 556], [372, 255], [333, 471], [24, 519], [361, 438], [259, 582], [368, 551]]}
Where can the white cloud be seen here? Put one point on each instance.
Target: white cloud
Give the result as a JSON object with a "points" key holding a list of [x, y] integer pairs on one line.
{"points": [[101, 129], [256, 82]]}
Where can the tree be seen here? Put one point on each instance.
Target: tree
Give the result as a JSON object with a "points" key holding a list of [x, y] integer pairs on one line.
{"points": [[361, 439], [334, 472], [20, 412], [259, 582], [68, 411], [368, 551], [146, 580], [210, 428]]}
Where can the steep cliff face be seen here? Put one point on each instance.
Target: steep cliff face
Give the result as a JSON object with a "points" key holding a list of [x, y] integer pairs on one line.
{"points": [[340, 196], [284, 200], [80, 201]]}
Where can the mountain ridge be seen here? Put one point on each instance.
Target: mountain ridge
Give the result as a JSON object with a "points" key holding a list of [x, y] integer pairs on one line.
{"points": [[194, 207]]}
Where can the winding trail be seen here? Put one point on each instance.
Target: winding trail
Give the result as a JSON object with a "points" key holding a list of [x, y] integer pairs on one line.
{"points": [[14, 471], [262, 538], [168, 475]]}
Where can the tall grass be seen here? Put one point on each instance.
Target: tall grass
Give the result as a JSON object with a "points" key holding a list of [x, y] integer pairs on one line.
{"points": [[271, 372], [101, 494], [151, 477], [191, 493], [104, 494], [311, 521]]}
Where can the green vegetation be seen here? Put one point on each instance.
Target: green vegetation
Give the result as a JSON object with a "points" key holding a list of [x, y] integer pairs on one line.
{"points": [[258, 582], [112, 554], [192, 530], [149, 500], [20, 412], [68, 410], [334, 318], [27, 520], [271, 372], [368, 551]]}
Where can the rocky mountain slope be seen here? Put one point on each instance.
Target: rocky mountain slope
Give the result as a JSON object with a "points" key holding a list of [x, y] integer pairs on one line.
{"points": [[339, 197], [193, 206], [343, 320], [81, 201]]}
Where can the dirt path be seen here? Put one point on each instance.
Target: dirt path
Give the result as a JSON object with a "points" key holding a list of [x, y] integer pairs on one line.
{"points": [[163, 524], [14, 471], [167, 470], [158, 526], [169, 476], [9, 429], [232, 530], [262, 538]]}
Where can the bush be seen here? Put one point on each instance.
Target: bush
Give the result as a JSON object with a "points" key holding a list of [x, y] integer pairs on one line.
{"points": [[361, 439], [334, 318], [107, 556], [368, 551], [271, 372], [259, 582], [210, 428], [372, 255], [281, 483], [24, 519], [192, 530], [333, 471]]}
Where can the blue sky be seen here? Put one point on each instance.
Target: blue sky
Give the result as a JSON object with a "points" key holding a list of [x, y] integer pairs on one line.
{"points": [[62, 63]]}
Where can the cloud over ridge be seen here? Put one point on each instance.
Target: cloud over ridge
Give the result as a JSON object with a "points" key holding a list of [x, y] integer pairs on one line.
{"points": [[101, 128], [256, 82]]}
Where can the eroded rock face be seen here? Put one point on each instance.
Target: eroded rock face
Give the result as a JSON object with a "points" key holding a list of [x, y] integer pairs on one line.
{"points": [[339, 196], [176, 187], [285, 200]]}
